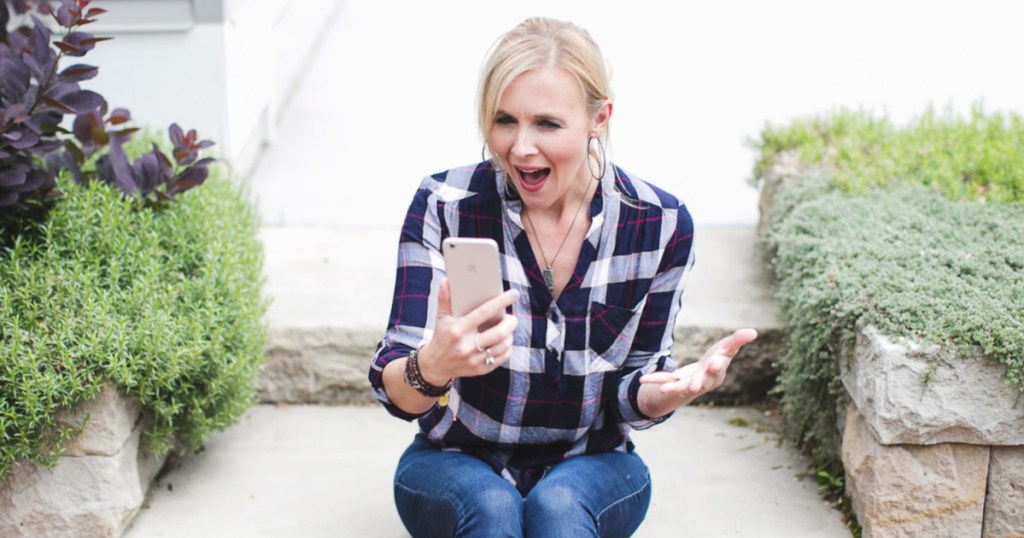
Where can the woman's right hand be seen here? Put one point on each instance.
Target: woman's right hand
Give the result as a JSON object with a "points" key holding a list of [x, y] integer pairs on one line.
{"points": [[453, 350]]}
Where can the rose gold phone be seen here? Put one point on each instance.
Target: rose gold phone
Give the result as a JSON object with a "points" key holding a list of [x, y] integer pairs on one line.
{"points": [[474, 274]]}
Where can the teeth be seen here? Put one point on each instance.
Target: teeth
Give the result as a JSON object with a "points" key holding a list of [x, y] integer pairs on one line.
{"points": [[532, 174]]}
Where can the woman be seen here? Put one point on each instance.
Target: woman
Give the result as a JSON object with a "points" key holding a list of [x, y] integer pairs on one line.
{"points": [[525, 425]]}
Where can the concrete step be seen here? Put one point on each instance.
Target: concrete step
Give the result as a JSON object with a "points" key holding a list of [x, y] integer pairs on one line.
{"points": [[331, 294], [319, 471]]}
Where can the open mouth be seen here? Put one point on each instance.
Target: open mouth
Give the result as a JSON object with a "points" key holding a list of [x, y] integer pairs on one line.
{"points": [[533, 178]]}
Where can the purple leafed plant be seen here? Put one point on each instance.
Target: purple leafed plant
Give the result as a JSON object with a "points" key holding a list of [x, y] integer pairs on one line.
{"points": [[35, 96], [155, 177]]}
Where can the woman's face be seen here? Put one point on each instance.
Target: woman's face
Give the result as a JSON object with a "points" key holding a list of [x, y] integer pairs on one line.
{"points": [[540, 132]]}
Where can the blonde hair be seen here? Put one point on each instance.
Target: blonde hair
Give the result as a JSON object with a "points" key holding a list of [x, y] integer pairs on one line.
{"points": [[536, 43]]}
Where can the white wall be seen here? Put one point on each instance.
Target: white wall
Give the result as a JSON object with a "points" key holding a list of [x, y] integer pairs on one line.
{"points": [[155, 77], [396, 83], [693, 79], [224, 74]]}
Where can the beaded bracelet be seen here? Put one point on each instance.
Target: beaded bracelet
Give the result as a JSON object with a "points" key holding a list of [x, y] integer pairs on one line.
{"points": [[414, 378]]}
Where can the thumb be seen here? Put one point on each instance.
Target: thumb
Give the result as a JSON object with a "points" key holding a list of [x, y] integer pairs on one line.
{"points": [[444, 299], [731, 344], [743, 337]]}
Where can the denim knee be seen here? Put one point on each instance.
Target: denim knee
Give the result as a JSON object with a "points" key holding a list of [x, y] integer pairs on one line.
{"points": [[493, 511], [556, 502], [466, 500]]}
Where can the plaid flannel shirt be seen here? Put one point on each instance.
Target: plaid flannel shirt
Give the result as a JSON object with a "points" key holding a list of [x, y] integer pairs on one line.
{"points": [[571, 384]]}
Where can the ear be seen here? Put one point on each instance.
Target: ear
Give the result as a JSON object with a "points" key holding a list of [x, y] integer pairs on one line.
{"points": [[604, 113]]}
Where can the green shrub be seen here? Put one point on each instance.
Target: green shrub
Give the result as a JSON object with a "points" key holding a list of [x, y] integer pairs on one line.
{"points": [[979, 157], [917, 253], [165, 304], [908, 261]]}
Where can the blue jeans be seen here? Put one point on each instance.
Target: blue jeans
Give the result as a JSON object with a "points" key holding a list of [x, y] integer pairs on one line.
{"points": [[453, 494]]}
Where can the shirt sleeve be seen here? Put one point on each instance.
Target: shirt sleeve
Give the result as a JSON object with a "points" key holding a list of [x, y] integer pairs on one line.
{"points": [[418, 274], [655, 336]]}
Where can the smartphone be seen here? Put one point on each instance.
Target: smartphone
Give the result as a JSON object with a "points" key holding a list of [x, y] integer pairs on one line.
{"points": [[474, 274]]}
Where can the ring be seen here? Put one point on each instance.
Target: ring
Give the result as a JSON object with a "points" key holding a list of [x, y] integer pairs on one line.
{"points": [[490, 358], [476, 341]]}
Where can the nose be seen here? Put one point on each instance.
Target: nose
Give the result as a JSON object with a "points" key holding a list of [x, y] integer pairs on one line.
{"points": [[523, 145]]}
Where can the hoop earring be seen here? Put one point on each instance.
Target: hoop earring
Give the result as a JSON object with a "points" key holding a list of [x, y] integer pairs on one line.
{"points": [[604, 158]]}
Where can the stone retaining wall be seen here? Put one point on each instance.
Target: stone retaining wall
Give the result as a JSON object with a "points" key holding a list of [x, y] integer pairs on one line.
{"points": [[317, 365], [933, 443], [330, 365], [99, 483]]}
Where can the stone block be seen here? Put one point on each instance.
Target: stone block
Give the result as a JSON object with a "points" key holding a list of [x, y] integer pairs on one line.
{"points": [[323, 365], [95, 489], [323, 330], [752, 373], [108, 421], [329, 365], [912, 491], [1004, 503], [910, 393]]}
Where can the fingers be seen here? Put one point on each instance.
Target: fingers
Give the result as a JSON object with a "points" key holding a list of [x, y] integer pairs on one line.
{"points": [[717, 358], [677, 382], [672, 385], [697, 382], [459, 348], [444, 299], [495, 334], [490, 309], [499, 337], [658, 378], [743, 337], [691, 380], [498, 340], [502, 351], [492, 357], [717, 365], [730, 345], [706, 374], [504, 347]]}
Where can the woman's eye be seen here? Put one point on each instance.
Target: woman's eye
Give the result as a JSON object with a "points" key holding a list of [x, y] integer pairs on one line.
{"points": [[504, 120], [549, 124]]}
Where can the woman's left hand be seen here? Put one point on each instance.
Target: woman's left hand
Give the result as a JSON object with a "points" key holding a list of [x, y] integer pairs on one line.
{"points": [[705, 375]]}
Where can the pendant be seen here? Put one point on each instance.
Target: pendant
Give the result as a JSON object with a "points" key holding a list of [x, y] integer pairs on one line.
{"points": [[443, 400], [549, 279]]}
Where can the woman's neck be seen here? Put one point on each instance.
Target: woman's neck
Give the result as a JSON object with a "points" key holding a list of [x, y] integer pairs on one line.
{"points": [[565, 208]]}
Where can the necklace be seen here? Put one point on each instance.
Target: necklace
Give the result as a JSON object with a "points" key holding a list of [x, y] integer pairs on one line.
{"points": [[549, 273]]}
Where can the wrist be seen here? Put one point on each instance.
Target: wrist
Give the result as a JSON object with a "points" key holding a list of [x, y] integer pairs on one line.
{"points": [[414, 378], [655, 404], [428, 369]]}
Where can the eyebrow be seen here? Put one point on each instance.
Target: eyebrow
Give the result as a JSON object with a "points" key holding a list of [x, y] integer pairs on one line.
{"points": [[542, 116]]}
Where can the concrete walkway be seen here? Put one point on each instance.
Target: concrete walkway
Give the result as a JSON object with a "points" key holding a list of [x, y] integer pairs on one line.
{"points": [[311, 471], [319, 471]]}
